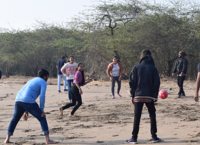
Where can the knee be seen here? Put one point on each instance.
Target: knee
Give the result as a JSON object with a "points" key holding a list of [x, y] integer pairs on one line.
{"points": [[73, 103], [79, 103]]}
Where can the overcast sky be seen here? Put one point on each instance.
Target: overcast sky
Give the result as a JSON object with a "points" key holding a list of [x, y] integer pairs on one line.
{"points": [[22, 14]]}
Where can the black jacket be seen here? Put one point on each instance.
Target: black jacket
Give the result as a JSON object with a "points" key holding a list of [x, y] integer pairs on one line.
{"points": [[144, 79], [181, 66]]}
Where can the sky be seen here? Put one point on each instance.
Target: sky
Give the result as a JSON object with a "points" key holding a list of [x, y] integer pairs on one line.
{"points": [[23, 14]]}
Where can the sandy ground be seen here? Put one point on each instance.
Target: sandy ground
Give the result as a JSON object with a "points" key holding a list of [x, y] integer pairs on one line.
{"points": [[101, 120]]}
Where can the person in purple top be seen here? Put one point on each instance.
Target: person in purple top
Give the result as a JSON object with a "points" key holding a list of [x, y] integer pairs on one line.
{"points": [[76, 91]]}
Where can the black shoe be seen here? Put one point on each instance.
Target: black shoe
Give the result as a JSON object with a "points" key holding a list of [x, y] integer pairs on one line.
{"points": [[183, 94], [65, 90], [59, 91], [179, 96]]}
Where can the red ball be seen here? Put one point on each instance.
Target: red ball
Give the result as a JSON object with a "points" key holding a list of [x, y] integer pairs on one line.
{"points": [[163, 94]]}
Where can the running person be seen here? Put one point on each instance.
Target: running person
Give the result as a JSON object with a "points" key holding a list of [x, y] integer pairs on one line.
{"points": [[144, 84], [70, 70], [59, 65], [25, 103], [76, 91], [114, 71], [196, 97]]}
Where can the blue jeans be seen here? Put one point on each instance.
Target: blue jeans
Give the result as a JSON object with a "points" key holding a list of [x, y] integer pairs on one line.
{"points": [[32, 108], [69, 84], [60, 77]]}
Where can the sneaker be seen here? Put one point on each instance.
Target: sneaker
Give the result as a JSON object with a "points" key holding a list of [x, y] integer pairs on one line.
{"points": [[155, 140], [59, 91], [65, 90], [133, 141], [113, 97], [119, 95]]}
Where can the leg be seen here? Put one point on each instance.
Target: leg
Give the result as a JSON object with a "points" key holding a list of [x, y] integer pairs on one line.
{"points": [[59, 81], [78, 99], [18, 112], [137, 116], [73, 100], [69, 83], [65, 81], [152, 114], [113, 86], [178, 82], [182, 78], [36, 112], [119, 85]]}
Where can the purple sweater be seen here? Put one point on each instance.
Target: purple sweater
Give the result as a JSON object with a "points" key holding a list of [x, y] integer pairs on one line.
{"points": [[77, 77]]}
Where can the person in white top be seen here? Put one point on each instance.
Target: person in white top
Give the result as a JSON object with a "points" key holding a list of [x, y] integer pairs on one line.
{"points": [[69, 70]]}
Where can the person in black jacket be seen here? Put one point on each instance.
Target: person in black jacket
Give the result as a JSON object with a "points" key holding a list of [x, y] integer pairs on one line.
{"points": [[181, 69], [0, 74], [144, 84]]}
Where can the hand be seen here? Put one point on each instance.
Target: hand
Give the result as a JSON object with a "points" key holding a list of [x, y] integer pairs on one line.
{"points": [[43, 114], [132, 100], [90, 80], [196, 98], [111, 79], [181, 74], [64, 75], [67, 75], [80, 92], [172, 74], [25, 117], [119, 79]]}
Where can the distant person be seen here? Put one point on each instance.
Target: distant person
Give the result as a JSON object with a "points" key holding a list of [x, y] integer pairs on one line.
{"points": [[0, 74], [59, 65], [181, 69], [25, 103], [114, 71], [69, 70], [196, 96], [76, 91], [144, 84]]}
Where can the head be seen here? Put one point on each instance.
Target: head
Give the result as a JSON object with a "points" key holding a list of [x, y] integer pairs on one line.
{"points": [[44, 74], [80, 68], [145, 53], [182, 54], [71, 59], [63, 57], [115, 59]]}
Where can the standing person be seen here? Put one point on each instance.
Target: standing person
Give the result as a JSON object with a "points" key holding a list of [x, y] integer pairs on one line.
{"points": [[181, 69], [76, 91], [0, 74], [59, 65], [196, 96], [114, 71], [144, 84], [70, 70], [25, 103]]}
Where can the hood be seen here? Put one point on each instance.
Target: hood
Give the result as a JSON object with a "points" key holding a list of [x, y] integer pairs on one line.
{"points": [[147, 59]]}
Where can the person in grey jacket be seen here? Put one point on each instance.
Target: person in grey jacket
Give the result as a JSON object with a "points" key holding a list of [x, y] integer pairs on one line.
{"points": [[181, 69]]}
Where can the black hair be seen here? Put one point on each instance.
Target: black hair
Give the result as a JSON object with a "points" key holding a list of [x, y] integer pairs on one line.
{"points": [[116, 58], [183, 53], [83, 75], [70, 57], [145, 52], [42, 73], [63, 57]]}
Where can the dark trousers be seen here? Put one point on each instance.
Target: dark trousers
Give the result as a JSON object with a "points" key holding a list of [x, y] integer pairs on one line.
{"points": [[115, 79], [180, 82], [76, 97], [32, 108], [137, 116]]}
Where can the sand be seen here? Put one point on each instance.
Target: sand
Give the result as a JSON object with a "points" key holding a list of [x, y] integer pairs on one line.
{"points": [[102, 120]]}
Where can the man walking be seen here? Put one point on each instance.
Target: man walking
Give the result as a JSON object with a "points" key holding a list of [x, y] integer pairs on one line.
{"points": [[181, 69], [196, 96], [25, 103], [144, 84], [59, 65]]}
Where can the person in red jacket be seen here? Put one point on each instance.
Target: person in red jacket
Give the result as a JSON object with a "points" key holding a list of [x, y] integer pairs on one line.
{"points": [[115, 71]]}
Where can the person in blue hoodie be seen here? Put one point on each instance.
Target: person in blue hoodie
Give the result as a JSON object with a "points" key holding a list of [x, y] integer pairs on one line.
{"points": [[25, 103], [144, 84]]}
